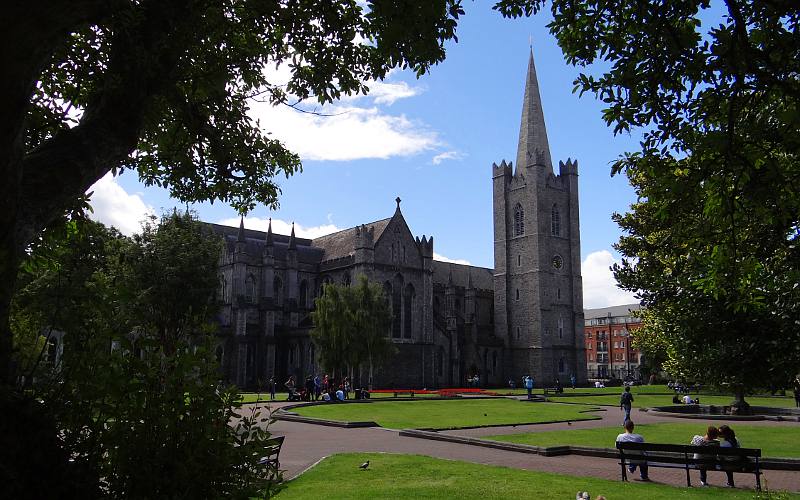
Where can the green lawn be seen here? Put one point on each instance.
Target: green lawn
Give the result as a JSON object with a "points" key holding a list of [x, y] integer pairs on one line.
{"points": [[413, 476], [774, 441], [446, 414], [647, 400]]}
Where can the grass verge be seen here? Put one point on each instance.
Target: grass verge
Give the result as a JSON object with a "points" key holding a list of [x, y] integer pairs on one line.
{"points": [[447, 414], [414, 476], [775, 442]]}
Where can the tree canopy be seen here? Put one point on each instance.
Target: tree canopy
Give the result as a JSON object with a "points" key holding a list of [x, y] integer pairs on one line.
{"points": [[161, 88], [136, 390], [710, 246]]}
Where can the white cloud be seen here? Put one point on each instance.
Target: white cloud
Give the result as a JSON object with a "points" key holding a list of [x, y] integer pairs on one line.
{"points": [[345, 132], [442, 258], [353, 128], [113, 206], [599, 286], [447, 155], [282, 227], [387, 92]]}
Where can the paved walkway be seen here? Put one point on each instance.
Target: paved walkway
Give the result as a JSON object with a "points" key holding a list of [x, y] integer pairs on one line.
{"points": [[306, 444]]}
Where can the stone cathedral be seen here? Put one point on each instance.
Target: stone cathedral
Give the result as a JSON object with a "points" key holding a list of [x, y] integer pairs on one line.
{"points": [[449, 321]]}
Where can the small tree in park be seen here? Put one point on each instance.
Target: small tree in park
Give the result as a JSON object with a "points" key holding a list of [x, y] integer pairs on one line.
{"points": [[350, 326]]}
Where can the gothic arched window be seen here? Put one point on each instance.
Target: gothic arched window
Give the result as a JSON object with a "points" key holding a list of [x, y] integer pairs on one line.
{"points": [[223, 289], [250, 289], [397, 307], [519, 220], [408, 307], [561, 365], [388, 296], [303, 299], [560, 326], [555, 221], [277, 291]]}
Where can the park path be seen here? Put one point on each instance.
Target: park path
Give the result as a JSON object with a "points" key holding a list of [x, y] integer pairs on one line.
{"points": [[306, 444]]}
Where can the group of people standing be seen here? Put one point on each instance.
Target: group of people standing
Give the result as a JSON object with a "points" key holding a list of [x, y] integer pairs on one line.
{"points": [[315, 388]]}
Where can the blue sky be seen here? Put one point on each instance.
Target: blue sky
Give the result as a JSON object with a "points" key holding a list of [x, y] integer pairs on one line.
{"points": [[432, 142]]}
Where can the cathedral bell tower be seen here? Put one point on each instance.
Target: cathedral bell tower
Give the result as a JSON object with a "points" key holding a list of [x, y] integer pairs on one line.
{"points": [[538, 295]]}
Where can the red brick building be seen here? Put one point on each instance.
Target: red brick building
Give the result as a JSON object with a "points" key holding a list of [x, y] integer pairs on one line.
{"points": [[608, 349]]}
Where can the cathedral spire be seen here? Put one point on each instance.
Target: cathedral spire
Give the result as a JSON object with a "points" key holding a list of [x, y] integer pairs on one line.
{"points": [[269, 233], [292, 243], [533, 148], [240, 235]]}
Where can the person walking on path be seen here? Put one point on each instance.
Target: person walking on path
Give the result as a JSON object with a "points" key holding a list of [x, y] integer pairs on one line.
{"points": [[626, 402], [630, 437], [797, 391], [529, 386], [271, 384], [572, 381]]}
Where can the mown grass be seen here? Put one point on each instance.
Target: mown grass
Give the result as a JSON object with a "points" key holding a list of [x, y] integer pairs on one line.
{"points": [[643, 399], [774, 442], [413, 476], [446, 414]]}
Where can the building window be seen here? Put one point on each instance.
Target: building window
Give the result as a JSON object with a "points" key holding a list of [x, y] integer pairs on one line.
{"points": [[223, 289], [397, 306], [622, 344], [519, 260], [250, 289], [519, 333], [494, 361], [408, 306], [517, 293], [519, 220], [561, 365], [303, 294], [277, 291], [555, 221], [558, 293], [560, 327]]}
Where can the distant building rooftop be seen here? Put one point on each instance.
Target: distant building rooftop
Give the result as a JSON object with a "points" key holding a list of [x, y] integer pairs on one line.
{"points": [[613, 311]]}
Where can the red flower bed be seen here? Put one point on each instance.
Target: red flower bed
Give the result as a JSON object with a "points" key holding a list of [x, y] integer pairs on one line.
{"points": [[442, 392]]}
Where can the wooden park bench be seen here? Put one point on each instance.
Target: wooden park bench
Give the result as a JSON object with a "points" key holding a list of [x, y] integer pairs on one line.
{"points": [[678, 456], [549, 391], [271, 453]]}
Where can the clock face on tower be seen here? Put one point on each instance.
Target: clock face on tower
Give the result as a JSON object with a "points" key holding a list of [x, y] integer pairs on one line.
{"points": [[558, 262]]}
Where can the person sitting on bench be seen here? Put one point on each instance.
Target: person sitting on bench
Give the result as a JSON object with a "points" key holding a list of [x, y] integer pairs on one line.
{"points": [[630, 437]]}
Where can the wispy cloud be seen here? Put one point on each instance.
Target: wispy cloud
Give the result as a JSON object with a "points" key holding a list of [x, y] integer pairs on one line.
{"points": [[599, 286], [447, 155], [442, 258], [113, 206]]}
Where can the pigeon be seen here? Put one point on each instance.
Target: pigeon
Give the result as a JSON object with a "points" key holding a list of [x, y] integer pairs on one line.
{"points": [[364, 465]]}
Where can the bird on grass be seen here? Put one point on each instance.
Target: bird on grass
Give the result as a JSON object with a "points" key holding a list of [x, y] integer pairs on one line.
{"points": [[364, 465], [569, 423]]}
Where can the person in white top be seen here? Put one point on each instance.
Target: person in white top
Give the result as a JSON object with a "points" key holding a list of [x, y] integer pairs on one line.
{"points": [[630, 437]]}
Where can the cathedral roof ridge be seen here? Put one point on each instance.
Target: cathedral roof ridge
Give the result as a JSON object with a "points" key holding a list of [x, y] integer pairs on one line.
{"points": [[339, 232]]}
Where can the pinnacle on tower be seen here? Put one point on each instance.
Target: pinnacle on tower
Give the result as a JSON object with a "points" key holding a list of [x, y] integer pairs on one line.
{"points": [[533, 148], [292, 243], [240, 235], [269, 233]]}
